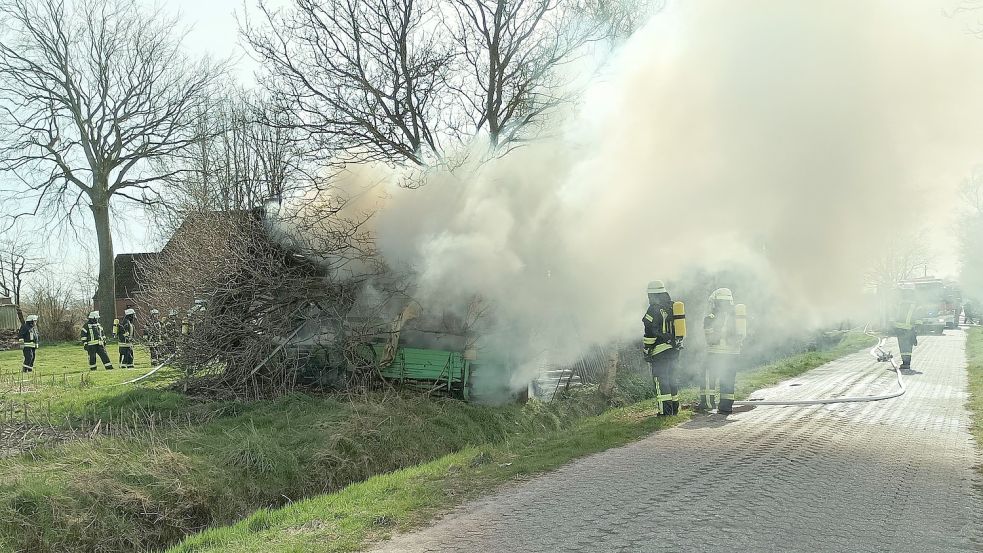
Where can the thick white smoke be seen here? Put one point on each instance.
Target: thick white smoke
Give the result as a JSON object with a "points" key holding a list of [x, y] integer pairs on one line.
{"points": [[790, 137]]}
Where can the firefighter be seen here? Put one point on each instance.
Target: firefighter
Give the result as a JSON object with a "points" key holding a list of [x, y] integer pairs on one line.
{"points": [[153, 336], [170, 333], [94, 341], [661, 347], [725, 327], [30, 341], [903, 326], [969, 312], [124, 334]]}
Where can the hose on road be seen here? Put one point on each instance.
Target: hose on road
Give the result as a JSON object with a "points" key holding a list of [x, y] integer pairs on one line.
{"points": [[879, 353]]}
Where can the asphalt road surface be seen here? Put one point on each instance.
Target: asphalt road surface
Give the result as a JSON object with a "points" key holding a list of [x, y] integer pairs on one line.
{"points": [[890, 476]]}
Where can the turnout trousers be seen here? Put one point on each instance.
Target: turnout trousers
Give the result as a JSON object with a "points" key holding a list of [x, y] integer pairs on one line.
{"points": [[30, 354], [906, 342], [126, 355], [664, 381], [100, 350], [156, 353], [720, 371]]}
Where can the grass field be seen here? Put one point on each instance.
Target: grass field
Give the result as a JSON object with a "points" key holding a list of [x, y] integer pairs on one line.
{"points": [[151, 488], [62, 387], [974, 358], [347, 520]]}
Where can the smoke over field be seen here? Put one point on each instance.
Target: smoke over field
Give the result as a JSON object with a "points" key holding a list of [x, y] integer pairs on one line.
{"points": [[783, 140]]}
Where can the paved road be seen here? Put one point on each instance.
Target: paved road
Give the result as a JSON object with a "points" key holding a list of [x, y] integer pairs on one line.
{"points": [[890, 476]]}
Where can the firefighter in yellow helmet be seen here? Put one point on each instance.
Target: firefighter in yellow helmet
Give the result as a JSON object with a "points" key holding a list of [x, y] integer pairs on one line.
{"points": [[725, 327], [661, 346], [903, 324]]}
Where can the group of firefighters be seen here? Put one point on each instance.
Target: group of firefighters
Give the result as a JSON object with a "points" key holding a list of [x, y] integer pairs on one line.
{"points": [[725, 327], [159, 335], [664, 323]]}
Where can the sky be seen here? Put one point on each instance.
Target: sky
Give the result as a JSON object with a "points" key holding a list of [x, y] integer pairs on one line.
{"points": [[214, 31]]}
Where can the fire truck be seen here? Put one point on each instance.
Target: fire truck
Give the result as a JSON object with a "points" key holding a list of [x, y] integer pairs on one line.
{"points": [[938, 303]]}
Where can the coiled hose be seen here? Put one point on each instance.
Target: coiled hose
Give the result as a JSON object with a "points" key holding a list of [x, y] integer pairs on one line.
{"points": [[878, 352]]}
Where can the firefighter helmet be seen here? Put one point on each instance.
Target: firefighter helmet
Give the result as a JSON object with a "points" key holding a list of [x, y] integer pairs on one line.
{"points": [[130, 311], [154, 312], [93, 314], [720, 296], [657, 287], [31, 318]]}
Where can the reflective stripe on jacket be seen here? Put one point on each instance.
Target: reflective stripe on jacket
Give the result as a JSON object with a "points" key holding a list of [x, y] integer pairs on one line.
{"points": [[658, 333], [721, 334], [29, 336], [92, 335], [905, 313]]}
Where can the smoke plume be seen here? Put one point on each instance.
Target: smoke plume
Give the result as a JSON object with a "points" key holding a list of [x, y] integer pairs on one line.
{"points": [[784, 139]]}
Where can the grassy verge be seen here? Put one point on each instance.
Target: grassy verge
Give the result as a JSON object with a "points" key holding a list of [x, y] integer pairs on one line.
{"points": [[974, 357], [349, 519], [61, 388], [151, 489], [371, 510]]}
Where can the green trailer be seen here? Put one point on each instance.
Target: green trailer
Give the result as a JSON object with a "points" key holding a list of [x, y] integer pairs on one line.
{"points": [[428, 369]]}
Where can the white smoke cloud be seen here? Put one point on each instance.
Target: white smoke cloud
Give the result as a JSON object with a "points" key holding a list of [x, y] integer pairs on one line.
{"points": [[790, 137]]}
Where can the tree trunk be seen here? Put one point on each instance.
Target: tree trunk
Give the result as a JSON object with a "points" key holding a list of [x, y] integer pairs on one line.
{"points": [[610, 376], [106, 294]]}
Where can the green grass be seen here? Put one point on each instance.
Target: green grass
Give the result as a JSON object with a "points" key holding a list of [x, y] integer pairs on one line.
{"points": [[371, 510], [974, 369], [147, 491], [152, 489], [62, 386]]}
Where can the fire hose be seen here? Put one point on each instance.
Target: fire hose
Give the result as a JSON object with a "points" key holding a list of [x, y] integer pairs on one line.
{"points": [[879, 353]]}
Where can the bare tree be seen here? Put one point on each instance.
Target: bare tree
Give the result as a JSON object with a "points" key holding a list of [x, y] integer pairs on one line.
{"points": [[60, 306], [900, 259], [93, 94], [400, 81], [621, 18], [364, 79], [512, 51], [970, 218], [238, 162], [18, 260]]}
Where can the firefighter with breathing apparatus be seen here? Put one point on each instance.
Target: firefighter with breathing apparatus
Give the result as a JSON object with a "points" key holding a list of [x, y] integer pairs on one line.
{"points": [[725, 328], [125, 333], [664, 326]]}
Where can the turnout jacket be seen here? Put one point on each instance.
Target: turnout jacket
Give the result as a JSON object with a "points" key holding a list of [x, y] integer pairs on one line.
{"points": [[153, 331], [92, 334], [659, 333], [903, 318], [29, 335], [126, 330], [720, 330]]}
